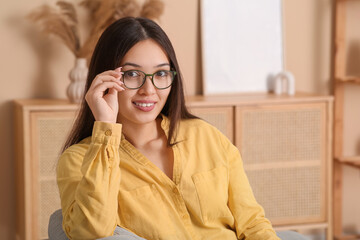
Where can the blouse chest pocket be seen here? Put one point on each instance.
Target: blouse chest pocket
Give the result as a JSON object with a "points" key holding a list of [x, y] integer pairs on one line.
{"points": [[212, 191]]}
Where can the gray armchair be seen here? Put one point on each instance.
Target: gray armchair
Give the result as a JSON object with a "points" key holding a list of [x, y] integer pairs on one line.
{"points": [[56, 232]]}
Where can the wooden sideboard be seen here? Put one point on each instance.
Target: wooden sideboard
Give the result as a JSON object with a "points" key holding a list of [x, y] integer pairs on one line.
{"points": [[285, 142]]}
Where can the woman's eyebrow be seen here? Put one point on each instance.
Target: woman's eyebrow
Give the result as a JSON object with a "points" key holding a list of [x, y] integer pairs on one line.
{"points": [[131, 64], [138, 66], [162, 65]]}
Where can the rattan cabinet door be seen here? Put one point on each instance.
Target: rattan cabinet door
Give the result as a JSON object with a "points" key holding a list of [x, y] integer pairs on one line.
{"points": [[41, 133], [48, 134], [285, 153], [220, 117]]}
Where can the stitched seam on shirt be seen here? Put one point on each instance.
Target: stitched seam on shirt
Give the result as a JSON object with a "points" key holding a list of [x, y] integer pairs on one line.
{"points": [[74, 152], [132, 154], [106, 140], [224, 153]]}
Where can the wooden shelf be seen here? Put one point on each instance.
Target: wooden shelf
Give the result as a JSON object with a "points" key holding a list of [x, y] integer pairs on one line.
{"points": [[348, 79], [351, 161], [341, 79], [347, 237]]}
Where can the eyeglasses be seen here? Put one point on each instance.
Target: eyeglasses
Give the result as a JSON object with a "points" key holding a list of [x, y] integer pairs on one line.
{"points": [[134, 79]]}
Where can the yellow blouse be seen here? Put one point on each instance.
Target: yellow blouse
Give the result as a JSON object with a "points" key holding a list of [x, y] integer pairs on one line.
{"points": [[104, 182]]}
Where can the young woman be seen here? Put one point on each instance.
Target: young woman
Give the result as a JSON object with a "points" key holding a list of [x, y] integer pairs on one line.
{"points": [[136, 158]]}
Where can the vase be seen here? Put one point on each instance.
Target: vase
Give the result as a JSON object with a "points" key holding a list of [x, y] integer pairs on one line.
{"points": [[77, 75]]}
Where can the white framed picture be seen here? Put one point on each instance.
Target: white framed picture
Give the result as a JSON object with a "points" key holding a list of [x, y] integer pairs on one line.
{"points": [[242, 45]]}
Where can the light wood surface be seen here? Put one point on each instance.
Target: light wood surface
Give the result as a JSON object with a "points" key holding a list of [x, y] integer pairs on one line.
{"points": [[253, 99], [330, 167], [353, 161], [349, 79]]}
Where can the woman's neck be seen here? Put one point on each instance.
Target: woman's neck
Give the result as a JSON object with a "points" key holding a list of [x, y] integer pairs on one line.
{"points": [[140, 135]]}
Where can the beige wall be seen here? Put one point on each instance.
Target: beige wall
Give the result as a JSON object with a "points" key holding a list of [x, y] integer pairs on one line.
{"points": [[33, 67], [307, 28]]}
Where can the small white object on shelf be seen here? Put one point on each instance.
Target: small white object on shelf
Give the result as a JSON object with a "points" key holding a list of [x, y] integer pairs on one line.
{"points": [[281, 78]]}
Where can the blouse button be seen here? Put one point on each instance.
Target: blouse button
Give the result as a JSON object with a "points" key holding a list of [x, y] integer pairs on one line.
{"points": [[108, 132]]}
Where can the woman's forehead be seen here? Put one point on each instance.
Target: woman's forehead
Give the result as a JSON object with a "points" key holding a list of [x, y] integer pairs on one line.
{"points": [[146, 53]]}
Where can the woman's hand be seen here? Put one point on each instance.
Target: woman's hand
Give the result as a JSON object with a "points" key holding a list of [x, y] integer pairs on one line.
{"points": [[104, 105]]}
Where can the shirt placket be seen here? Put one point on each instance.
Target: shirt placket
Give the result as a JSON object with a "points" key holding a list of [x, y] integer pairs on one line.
{"points": [[178, 198], [183, 212]]}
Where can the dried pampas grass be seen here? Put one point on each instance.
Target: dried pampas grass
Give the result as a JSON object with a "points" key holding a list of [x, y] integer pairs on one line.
{"points": [[63, 22], [152, 9], [102, 14]]}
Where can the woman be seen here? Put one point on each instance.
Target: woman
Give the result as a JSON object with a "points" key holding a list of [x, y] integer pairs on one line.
{"points": [[137, 159]]}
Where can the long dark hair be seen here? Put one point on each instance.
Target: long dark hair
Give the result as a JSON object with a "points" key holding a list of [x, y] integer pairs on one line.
{"points": [[112, 46]]}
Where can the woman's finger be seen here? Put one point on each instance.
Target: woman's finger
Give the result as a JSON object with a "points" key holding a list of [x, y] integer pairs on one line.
{"points": [[105, 78], [99, 90], [115, 73], [111, 97]]}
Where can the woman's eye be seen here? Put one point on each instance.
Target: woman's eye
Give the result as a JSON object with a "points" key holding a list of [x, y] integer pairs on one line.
{"points": [[161, 73], [132, 74]]}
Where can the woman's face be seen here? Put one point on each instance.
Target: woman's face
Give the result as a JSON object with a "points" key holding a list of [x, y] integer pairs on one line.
{"points": [[143, 105]]}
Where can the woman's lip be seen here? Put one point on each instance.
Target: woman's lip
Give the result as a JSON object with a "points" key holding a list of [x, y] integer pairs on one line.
{"points": [[145, 106], [144, 101]]}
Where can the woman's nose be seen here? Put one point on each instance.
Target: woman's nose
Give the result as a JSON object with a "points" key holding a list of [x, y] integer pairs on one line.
{"points": [[148, 88]]}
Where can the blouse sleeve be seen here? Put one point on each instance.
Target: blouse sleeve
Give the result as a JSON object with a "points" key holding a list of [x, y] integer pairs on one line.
{"points": [[88, 177], [250, 221]]}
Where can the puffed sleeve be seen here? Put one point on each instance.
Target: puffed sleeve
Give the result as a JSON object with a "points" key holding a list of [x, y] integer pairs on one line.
{"points": [[250, 221], [88, 177]]}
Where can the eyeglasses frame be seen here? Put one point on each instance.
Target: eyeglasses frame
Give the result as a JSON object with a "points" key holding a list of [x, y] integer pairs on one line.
{"points": [[152, 78]]}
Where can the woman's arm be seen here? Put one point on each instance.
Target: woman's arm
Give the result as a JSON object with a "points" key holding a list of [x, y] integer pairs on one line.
{"points": [[250, 222], [88, 176], [88, 173]]}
